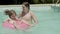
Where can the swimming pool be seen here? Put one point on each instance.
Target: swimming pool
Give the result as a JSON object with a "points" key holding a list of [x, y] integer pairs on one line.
{"points": [[48, 20]]}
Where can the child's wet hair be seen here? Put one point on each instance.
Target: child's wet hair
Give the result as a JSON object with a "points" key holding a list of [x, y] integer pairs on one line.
{"points": [[10, 12]]}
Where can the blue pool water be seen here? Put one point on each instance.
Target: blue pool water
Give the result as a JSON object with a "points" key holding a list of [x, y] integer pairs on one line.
{"points": [[48, 20]]}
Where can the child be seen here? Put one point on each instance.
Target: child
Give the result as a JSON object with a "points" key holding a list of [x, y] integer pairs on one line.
{"points": [[14, 23]]}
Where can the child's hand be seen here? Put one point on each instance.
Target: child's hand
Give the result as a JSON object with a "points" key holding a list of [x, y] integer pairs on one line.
{"points": [[32, 25]]}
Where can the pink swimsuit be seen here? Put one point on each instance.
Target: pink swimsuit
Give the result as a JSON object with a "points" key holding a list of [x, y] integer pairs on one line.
{"points": [[7, 24], [21, 25]]}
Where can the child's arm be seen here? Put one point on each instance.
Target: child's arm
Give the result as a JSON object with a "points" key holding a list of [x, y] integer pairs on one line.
{"points": [[34, 18]]}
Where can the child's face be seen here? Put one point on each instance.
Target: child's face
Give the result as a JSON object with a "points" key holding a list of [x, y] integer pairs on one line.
{"points": [[13, 16], [24, 8]]}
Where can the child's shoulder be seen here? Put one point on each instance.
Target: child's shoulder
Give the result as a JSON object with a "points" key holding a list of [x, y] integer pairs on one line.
{"points": [[31, 11]]}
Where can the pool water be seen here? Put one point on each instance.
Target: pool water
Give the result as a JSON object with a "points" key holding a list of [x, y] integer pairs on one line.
{"points": [[48, 20]]}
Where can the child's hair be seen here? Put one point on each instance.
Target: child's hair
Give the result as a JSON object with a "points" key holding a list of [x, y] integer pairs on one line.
{"points": [[10, 12]]}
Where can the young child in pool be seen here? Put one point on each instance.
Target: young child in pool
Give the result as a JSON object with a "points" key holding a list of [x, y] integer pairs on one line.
{"points": [[14, 23]]}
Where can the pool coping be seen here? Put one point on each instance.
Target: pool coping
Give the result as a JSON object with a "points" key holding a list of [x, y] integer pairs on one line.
{"points": [[30, 5]]}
